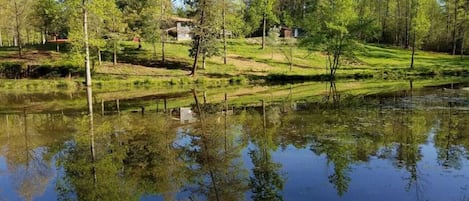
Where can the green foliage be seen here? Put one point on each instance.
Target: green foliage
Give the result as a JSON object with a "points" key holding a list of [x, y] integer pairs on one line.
{"points": [[334, 26], [256, 10]]}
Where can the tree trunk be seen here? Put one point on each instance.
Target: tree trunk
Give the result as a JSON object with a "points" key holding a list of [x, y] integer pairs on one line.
{"points": [[462, 44], [455, 26], [28, 36], [199, 40], [43, 37], [163, 57], [57, 44], [1, 39], [291, 58], [407, 25], [115, 53], [163, 33], [100, 59], [384, 22], [224, 32], [464, 27], [196, 58], [87, 48], [203, 60], [398, 27], [413, 52], [154, 48], [18, 33], [264, 27]]}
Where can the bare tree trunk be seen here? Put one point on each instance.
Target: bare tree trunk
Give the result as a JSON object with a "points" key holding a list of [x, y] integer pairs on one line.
{"points": [[163, 33], [464, 27], [224, 32], [18, 28], [100, 59], [291, 58], [115, 53], [455, 26], [384, 22], [407, 25], [57, 46], [196, 58], [43, 36], [264, 27], [462, 44], [398, 28], [413, 52], [1, 38], [163, 56], [87, 48], [154, 48], [199, 40], [203, 60], [28, 36], [8, 39]]}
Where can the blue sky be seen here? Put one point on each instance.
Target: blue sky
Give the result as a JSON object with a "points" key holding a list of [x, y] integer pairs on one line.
{"points": [[178, 3]]}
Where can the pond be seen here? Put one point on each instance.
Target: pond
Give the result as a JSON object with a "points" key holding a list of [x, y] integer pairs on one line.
{"points": [[407, 144]]}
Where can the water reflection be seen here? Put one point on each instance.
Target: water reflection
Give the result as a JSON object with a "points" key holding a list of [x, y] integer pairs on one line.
{"points": [[266, 181], [400, 148], [29, 150]]}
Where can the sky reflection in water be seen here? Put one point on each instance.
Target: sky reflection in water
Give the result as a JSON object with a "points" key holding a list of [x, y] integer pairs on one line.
{"points": [[387, 151]]}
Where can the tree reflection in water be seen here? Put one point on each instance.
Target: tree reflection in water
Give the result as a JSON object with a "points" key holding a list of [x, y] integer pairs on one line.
{"points": [[215, 150], [127, 156], [266, 181]]}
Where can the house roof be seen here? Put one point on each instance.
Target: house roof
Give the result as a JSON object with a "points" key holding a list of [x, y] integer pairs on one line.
{"points": [[181, 19]]}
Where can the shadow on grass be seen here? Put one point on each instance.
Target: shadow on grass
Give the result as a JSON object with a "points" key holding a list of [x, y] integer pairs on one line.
{"points": [[130, 56]]}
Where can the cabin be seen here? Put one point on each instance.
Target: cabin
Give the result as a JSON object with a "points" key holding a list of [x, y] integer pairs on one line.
{"points": [[286, 32], [182, 28]]}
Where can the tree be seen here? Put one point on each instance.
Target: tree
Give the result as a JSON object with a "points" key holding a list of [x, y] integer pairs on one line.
{"points": [[273, 39], [260, 12], [420, 25], [48, 16], [114, 27], [232, 22], [156, 19], [332, 25], [86, 42], [287, 50], [19, 10], [205, 32]]}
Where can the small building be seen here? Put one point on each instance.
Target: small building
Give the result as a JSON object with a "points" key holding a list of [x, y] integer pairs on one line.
{"points": [[286, 32], [182, 30]]}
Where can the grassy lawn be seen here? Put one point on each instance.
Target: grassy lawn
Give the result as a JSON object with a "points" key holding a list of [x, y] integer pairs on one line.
{"points": [[246, 62]]}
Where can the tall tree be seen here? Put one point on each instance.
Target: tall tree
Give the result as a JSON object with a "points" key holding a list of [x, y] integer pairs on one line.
{"points": [[156, 18], [86, 43], [19, 10], [420, 25], [205, 32], [259, 14]]}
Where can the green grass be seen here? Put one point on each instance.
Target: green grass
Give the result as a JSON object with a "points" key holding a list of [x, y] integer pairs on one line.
{"points": [[247, 63]]}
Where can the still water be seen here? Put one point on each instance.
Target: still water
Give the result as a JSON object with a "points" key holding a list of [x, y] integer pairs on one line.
{"points": [[407, 145]]}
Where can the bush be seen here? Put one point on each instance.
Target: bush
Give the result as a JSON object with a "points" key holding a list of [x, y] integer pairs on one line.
{"points": [[239, 80], [11, 70]]}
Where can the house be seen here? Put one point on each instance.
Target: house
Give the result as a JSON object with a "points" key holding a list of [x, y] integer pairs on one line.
{"points": [[182, 30]]}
